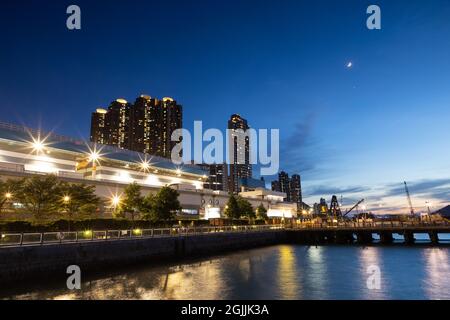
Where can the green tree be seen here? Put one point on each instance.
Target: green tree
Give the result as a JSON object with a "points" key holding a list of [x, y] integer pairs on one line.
{"points": [[161, 206], [133, 200], [232, 208], [245, 208], [41, 195], [148, 208], [261, 212], [78, 200], [9, 190]]}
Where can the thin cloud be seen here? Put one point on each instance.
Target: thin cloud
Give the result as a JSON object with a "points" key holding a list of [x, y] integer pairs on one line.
{"points": [[327, 190], [302, 153], [422, 187]]}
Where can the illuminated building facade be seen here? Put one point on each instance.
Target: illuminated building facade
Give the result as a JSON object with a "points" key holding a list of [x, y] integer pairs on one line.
{"points": [[98, 124], [283, 185], [292, 187], [296, 191], [272, 201], [239, 150], [25, 152], [249, 184], [145, 126], [218, 176], [323, 206]]}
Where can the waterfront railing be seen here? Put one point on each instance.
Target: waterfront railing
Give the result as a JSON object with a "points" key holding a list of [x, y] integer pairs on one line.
{"points": [[45, 238], [374, 225]]}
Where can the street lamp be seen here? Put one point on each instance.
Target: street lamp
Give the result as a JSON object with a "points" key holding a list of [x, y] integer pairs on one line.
{"points": [[8, 195], [145, 166], [94, 157], [37, 144], [115, 200]]}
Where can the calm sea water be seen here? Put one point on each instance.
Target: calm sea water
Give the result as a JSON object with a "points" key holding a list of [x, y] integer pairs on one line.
{"points": [[277, 272]]}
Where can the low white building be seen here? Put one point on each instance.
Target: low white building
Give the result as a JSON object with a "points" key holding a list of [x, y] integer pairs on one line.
{"points": [[26, 152]]}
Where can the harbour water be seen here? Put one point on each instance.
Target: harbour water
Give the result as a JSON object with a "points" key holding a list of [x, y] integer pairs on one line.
{"points": [[276, 272]]}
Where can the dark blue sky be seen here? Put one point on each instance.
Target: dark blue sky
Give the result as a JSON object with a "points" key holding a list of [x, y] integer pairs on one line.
{"points": [[281, 64]]}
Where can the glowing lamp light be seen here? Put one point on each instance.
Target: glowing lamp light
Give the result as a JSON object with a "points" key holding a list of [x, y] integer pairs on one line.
{"points": [[137, 232], [94, 156], [66, 199], [115, 200], [198, 185], [152, 180], [37, 144], [145, 165], [87, 233], [8, 195]]}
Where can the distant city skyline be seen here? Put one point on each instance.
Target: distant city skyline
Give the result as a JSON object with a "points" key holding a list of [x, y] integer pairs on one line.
{"points": [[359, 111]]}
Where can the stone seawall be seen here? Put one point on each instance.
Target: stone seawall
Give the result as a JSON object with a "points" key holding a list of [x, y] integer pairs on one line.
{"points": [[19, 263]]}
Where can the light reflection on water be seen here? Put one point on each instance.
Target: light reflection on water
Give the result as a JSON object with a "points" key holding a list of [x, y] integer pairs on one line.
{"points": [[278, 272], [437, 268]]}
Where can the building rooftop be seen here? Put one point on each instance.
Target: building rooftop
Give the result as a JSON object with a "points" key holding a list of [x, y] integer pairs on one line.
{"points": [[21, 134]]}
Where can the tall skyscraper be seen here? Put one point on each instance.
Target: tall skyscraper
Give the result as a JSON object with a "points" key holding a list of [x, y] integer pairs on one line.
{"points": [[276, 186], [285, 185], [291, 186], [169, 118], [240, 166], [118, 124], [142, 118], [98, 123], [296, 191], [218, 176], [145, 126]]}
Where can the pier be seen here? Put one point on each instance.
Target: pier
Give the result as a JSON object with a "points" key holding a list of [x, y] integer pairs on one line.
{"points": [[362, 233], [27, 255]]}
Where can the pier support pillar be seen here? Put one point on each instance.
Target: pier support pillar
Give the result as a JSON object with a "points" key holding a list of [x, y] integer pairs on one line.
{"points": [[434, 237], [386, 237], [318, 237], [364, 237], [329, 237], [409, 237], [344, 237]]}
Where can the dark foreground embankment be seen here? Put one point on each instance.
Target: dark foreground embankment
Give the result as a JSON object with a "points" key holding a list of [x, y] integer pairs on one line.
{"points": [[20, 263]]}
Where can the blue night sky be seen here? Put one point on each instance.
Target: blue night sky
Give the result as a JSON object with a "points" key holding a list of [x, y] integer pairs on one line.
{"points": [[357, 132]]}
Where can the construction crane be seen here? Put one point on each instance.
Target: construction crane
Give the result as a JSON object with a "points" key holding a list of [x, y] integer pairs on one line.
{"points": [[409, 199], [351, 209]]}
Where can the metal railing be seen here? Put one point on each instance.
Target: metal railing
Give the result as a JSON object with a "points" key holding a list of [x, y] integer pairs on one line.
{"points": [[372, 225], [45, 238]]}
